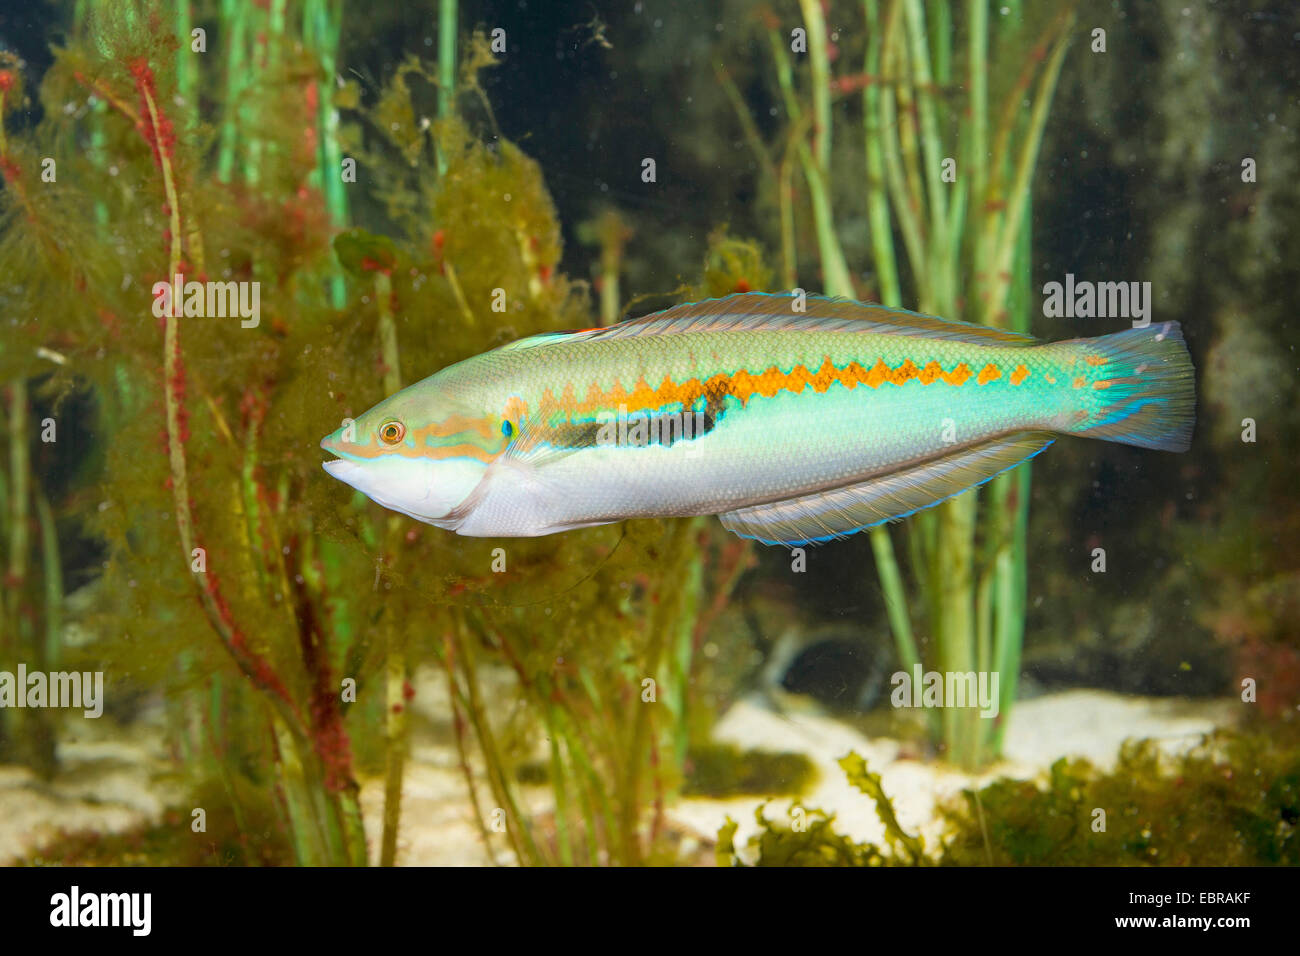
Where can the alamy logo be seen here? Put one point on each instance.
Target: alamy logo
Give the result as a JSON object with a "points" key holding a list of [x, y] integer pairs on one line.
{"points": [[75, 908], [641, 430], [947, 689], [1098, 300], [213, 300], [83, 689]]}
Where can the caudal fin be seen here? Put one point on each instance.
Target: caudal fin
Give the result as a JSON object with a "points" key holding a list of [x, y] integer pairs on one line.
{"points": [[1144, 389]]}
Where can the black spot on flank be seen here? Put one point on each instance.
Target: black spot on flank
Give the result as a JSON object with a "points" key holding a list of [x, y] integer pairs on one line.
{"points": [[639, 429]]}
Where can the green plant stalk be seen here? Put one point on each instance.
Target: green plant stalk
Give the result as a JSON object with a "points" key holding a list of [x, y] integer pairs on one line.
{"points": [[53, 576], [904, 120], [462, 752], [1011, 570], [322, 22], [1009, 499], [354, 827], [785, 197], [186, 70], [977, 137], [255, 69], [984, 597], [611, 257], [691, 590], [304, 831], [819, 60], [562, 839], [447, 17], [215, 738], [940, 17], [746, 119], [8, 639], [910, 224], [517, 827], [949, 563], [931, 142], [882, 239], [19, 496], [328, 811], [303, 800], [956, 632], [395, 667], [597, 794], [234, 14], [835, 272], [395, 725], [608, 724], [582, 787], [1020, 192], [630, 802]]}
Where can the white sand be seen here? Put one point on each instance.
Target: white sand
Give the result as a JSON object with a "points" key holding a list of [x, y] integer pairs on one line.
{"points": [[116, 778]]}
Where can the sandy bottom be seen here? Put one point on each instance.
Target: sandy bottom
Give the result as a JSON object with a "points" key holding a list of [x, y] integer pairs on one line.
{"points": [[1077, 723], [115, 778]]}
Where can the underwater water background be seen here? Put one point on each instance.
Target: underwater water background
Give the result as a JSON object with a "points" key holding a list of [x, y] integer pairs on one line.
{"points": [[293, 675]]}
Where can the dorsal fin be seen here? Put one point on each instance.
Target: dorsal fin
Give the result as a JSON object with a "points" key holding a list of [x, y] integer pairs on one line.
{"points": [[775, 312], [544, 338]]}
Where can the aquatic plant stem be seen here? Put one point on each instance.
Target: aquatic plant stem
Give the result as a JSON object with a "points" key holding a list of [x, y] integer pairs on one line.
{"points": [[819, 60], [396, 679], [1020, 191], [339, 822], [931, 143], [612, 233], [447, 20], [562, 839], [448, 660], [517, 828], [186, 71], [308, 842], [657, 626], [746, 119], [1011, 569], [235, 17], [976, 135], [19, 496], [53, 576], [835, 272], [322, 25], [249, 661], [978, 619], [882, 239]]}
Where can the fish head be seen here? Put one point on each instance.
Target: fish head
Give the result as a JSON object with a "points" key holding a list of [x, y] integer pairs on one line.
{"points": [[423, 451]]}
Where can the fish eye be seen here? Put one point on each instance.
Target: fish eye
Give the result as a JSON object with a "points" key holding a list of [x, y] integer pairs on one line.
{"points": [[507, 428], [392, 432]]}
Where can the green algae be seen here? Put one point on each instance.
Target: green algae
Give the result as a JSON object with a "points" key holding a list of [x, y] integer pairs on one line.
{"points": [[724, 770], [1233, 799], [281, 616]]}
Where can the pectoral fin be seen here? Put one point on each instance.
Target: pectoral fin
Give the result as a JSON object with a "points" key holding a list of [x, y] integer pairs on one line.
{"points": [[840, 512]]}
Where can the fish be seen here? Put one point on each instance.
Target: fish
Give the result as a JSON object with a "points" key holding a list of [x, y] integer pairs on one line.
{"points": [[796, 419]]}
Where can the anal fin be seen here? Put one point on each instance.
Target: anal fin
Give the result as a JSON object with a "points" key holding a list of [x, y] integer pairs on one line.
{"points": [[840, 512]]}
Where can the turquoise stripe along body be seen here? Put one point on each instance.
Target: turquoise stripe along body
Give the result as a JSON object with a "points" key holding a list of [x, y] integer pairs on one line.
{"points": [[794, 426]]}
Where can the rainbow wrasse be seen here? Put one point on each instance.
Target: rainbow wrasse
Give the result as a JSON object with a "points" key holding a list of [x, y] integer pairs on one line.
{"points": [[792, 426]]}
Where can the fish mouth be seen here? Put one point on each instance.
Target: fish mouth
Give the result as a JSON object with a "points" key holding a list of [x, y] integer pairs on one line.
{"points": [[340, 467]]}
